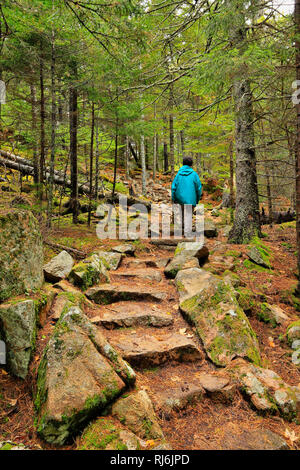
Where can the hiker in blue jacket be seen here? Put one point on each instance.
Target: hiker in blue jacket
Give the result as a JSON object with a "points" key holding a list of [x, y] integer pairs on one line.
{"points": [[187, 188]]}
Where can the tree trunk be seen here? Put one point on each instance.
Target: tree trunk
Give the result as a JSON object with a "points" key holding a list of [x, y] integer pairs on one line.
{"points": [[231, 178], [97, 162], [53, 131], [247, 220], [182, 143], [127, 157], [91, 163], [116, 157], [73, 112], [297, 45], [42, 130], [165, 145], [143, 163], [171, 122], [36, 175]]}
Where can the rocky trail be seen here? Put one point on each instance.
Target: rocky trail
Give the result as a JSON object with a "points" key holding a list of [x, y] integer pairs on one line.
{"points": [[160, 345]]}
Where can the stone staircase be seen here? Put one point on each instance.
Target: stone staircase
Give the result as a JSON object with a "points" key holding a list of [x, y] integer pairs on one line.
{"points": [[138, 312]]}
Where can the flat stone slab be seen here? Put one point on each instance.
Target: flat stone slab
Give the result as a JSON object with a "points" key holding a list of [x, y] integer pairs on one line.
{"points": [[125, 314], [106, 294], [148, 350], [145, 274], [213, 383], [147, 263], [178, 398], [242, 437], [126, 249]]}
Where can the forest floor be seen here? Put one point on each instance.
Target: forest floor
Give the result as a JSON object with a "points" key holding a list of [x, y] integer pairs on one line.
{"points": [[210, 423]]}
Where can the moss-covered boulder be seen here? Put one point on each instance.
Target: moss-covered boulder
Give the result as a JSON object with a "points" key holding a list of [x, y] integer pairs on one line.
{"points": [[271, 314], [266, 390], [259, 253], [9, 445], [21, 267], [210, 304], [110, 259], [107, 433], [136, 412], [18, 330], [89, 272], [293, 331], [78, 376], [63, 301], [186, 252]]}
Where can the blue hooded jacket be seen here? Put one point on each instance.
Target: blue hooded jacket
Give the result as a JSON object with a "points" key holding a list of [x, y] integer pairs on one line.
{"points": [[186, 187]]}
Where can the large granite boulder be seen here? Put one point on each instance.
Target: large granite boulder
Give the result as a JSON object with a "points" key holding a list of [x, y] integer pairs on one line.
{"points": [[59, 267], [18, 330], [21, 267], [78, 376], [210, 304]]}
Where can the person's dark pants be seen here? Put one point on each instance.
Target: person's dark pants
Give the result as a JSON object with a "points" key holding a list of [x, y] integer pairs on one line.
{"points": [[187, 219]]}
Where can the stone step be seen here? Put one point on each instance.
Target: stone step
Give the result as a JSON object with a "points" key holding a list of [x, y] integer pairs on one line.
{"points": [[170, 241], [178, 398], [147, 263], [128, 314], [107, 294], [144, 351], [145, 274], [189, 387]]}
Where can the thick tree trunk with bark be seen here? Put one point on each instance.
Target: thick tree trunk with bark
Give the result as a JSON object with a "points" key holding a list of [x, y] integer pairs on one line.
{"points": [[247, 221], [297, 45], [53, 132], [231, 178], [42, 130]]}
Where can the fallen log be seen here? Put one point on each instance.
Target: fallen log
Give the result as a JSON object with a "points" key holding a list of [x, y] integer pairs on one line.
{"points": [[277, 217], [72, 251], [26, 169]]}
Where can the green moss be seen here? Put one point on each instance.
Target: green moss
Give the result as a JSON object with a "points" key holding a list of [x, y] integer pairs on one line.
{"points": [[264, 315], [7, 446], [234, 253], [103, 433], [246, 299], [147, 426], [234, 336], [255, 267]]}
